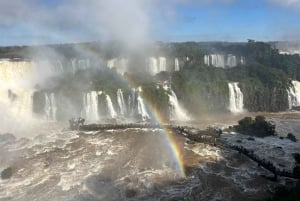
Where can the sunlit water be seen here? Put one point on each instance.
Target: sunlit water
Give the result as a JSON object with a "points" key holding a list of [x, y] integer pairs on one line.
{"points": [[136, 164]]}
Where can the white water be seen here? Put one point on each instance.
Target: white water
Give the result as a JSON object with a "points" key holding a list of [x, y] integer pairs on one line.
{"points": [[110, 107], [236, 104], [142, 108], [176, 67], [222, 61], [157, 65], [231, 60], [121, 64], [121, 102], [294, 94], [177, 112], [50, 106], [14, 78], [90, 105]]}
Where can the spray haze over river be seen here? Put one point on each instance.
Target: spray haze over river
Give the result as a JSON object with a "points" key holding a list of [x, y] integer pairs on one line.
{"points": [[126, 118]]}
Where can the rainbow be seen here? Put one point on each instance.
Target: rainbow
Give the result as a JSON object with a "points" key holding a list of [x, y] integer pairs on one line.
{"points": [[158, 118]]}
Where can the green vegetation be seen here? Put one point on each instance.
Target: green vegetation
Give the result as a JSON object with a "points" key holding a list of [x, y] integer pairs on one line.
{"points": [[258, 127], [264, 79]]}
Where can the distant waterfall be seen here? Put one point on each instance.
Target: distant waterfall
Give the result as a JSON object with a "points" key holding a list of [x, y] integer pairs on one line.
{"points": [[90, 105], [176, 67], [223, 61], [231, 60], [218, 60], [142, 108], [121, 102], [294, 94], [157, 65], [176, 111], [110, 107], [236, 104], [50, 106], [132, 102]]}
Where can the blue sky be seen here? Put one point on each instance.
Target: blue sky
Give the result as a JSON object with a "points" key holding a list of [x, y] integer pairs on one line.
{"points": [[62, 21]]}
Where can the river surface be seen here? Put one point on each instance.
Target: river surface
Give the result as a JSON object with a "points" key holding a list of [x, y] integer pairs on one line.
{"points": [[55, 163]]}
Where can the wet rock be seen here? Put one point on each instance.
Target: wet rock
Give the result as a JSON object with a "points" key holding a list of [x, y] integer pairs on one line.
{"points": [[129, 193], [291, 137], [6, 173]]}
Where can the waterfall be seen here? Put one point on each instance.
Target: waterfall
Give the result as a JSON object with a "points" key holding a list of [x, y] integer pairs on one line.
{"points": [[176, 111], [153, 66], [142, 108], [162, 64], [176, 67], [90, 105], [47, 107], [217, 60], [54, 105], [294, 94], [121, 64], [110, 107], [231, 60], [222, 61], [236, 104], [15, 90], [132, 101], [121, 102], [157, 65], [206, 60], [50, 106]]}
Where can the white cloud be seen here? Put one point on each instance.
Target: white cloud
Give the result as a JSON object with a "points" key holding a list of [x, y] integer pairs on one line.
{"points": [[293, 4]]}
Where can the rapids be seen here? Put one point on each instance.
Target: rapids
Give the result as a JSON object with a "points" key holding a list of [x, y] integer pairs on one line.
{"points": [[135, 164]]}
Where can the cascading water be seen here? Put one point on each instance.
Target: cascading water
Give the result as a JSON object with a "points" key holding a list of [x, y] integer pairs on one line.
{"points": [[142, 108], [153, 66], [176, 67], [294, 94], [110, 107], [90, 105], [236, 104], [162, 64], [177, 113], [231, 60], [157, 65], [50, 106], [121, 102], [15, 91]]}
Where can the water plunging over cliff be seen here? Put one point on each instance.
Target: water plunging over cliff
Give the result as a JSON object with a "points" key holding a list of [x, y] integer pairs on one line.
{"points": [[294, 94], [142, 108], [15, 90], [50, 106], [176, 67], [110, 107], [157, 65], [90, 105], [236, 104], [176, 111], [121, 102]]}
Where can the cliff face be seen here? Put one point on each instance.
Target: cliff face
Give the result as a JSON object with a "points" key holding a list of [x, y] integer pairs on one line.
{"points": [[206, 77]]}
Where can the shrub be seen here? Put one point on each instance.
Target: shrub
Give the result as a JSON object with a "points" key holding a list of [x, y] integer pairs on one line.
{"points": [[258, 127]]}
